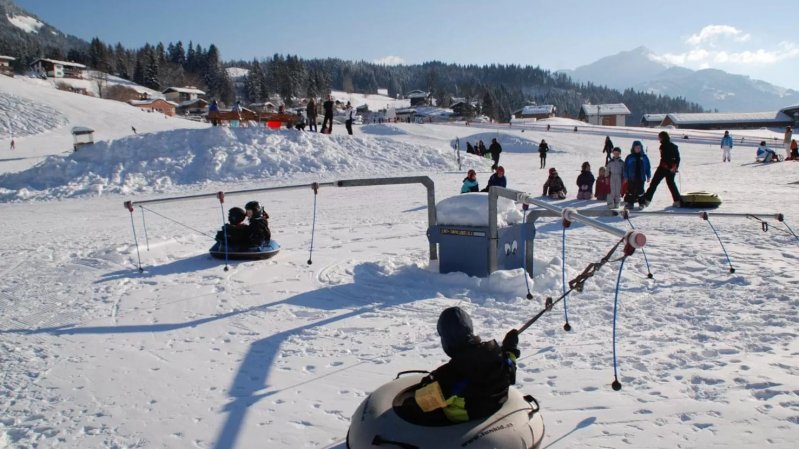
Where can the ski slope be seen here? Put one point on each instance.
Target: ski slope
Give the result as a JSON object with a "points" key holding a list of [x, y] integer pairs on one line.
{"points": [[279, 353]]}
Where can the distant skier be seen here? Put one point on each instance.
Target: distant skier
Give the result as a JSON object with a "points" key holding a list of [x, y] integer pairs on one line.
{"points": [[726, 147], [133, 128], [13, 145]]}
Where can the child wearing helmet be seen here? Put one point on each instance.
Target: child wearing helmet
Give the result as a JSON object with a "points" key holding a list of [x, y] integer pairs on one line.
{"points": [[259, 233], [474, 383], [236, 230], [554, 187]]}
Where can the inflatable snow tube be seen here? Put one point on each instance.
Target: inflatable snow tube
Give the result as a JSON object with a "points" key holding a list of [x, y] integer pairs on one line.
{"points": [[700, 200], [376, 423], [265, 251]]}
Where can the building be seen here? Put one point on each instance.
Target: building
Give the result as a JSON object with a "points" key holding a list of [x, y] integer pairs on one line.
{"points": [[5, 65], [266, 106], [536, 111], [182, 94], [730, 120], [793, 112], [419, 98], [604, 114], [198, 106], [54, 68], [652, 120], [156, 104]]}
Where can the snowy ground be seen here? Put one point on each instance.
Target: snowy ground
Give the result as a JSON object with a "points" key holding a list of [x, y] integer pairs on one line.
{"points": [[279, 353]]}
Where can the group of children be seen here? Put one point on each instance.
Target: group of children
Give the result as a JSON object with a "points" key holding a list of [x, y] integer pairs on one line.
{"points": [[618, 177]]}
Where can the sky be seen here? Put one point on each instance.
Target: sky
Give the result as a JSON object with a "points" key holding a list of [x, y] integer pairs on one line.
{"points": [[741, 37]]}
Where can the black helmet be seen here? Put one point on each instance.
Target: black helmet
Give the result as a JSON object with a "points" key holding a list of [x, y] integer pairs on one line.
{"points": [[236, 215], [255, 207], [455, 328]]}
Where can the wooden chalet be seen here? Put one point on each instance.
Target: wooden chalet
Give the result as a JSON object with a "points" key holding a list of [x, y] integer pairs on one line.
{"points": [[652, 120], [5, 65], [156, 105], [53, 68], [182, 94], [536, 111], [604, 114]]}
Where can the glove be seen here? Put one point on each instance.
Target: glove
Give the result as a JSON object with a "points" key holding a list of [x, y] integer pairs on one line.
{"points": [[511, 340]]}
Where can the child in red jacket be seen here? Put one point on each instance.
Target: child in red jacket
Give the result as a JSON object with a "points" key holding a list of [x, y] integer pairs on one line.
{"points": [[602, 185]]}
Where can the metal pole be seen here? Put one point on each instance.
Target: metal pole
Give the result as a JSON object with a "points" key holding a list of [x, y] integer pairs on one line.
{"points": [[424, 180], [233, 192], [775, 215], [635, 238]]}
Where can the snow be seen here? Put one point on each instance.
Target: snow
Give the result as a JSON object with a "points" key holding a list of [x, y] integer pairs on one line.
{"points": [[279, 353], [25, 23], [472, 210]]}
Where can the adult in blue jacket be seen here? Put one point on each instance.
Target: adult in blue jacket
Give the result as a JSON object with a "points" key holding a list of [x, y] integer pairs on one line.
{"points": [[637, 172], [726, 147]]}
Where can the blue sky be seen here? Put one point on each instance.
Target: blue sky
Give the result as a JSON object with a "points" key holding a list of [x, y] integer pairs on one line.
{"points": [[742, 37]]}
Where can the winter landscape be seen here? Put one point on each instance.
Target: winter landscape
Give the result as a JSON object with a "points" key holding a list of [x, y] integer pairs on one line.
{"points": [[279, 353], [119, 330]]}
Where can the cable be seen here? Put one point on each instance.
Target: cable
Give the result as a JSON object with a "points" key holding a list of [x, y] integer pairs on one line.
{"points": [[616, 385], [705, 217], [177, 222]]}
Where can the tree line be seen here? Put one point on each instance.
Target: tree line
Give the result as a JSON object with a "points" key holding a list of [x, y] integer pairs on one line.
{"points": [[497, 90]]}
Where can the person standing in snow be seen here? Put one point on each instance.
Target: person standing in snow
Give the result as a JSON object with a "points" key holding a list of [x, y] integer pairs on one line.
{"points": [[470, 182], [495, 148], [13, 145], [667, 168], [607, 149], [637, 172], [482, 148], [310, 111], [554, 187], [786, 141], [726, 147], [794, 149], [615, 171], [327, 120], [602, 185], [585, 182], [474, 383], [543, 149], [349, 117], [213, 109], [497, 179]]}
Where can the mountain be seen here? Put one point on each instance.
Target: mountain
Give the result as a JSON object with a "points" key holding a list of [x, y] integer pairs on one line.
{"points": [[712, 88], [26, 37]]}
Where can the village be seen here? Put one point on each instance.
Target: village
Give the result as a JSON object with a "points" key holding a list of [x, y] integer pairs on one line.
{"points": [[416, 106]]}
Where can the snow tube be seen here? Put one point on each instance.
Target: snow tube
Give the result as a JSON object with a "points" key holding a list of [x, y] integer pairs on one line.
{"points": [[265, 251], [377, 424], [700, 200]]}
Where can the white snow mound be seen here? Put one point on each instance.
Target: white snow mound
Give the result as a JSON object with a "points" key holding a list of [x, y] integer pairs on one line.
{"points": [[156, 162], [471, 209]]}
